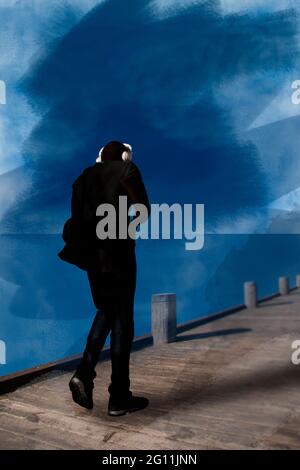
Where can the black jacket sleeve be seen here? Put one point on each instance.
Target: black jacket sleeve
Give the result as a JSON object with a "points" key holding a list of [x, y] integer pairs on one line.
{"points": [[75, 251], [71, 230]]}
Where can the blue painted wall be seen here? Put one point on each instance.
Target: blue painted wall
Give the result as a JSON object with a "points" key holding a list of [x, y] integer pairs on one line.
{"points": [[203, 92]]}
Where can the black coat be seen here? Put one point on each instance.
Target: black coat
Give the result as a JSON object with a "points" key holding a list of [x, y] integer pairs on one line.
{"points": [[101, 183]]}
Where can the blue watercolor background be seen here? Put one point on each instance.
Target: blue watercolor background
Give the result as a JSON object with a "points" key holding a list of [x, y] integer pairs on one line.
{"points": [[183, 85]]}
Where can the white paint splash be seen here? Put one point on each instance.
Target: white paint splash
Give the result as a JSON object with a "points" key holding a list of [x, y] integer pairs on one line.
{"points": [[166, 8], [2, 352], [289, 202], [284, 106], [259, 6], [2, 92]]}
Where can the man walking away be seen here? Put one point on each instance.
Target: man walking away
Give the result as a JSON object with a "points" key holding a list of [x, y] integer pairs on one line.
{"points": [[111, 269]]}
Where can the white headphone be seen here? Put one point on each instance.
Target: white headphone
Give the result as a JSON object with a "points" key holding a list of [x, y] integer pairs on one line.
{"points": [[126, 155]]}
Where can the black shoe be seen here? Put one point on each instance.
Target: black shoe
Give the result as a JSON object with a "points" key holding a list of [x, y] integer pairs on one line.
{"points": [[82, 392], [119, 407]]}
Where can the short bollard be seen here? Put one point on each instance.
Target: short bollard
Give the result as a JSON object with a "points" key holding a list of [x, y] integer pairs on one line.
{"points": [[250, 296], [164, 323], [283, 285], [298, 280]]}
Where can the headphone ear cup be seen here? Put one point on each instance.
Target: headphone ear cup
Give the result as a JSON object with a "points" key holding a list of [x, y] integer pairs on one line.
{"points": [[126, 156]]}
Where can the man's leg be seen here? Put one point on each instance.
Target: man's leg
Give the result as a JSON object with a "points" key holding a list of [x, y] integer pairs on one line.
{"points": [[120, 348], [81, 383], [101, 326], [95, 341], [121, 400], [122, 334]]}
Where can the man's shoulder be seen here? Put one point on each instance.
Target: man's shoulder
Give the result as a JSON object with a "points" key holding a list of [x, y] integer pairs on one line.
{"points": [[120, 169], [83, 175]]}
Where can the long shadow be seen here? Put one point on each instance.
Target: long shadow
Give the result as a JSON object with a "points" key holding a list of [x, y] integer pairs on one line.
{"points": [[227, 388], [211, 334]]}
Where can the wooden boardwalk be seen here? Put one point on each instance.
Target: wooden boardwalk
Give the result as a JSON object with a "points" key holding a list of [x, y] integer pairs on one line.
{"points": [[229, 384]]}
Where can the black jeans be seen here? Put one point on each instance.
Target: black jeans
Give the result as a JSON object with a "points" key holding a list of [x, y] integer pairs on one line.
{"points": [[114, 298]]}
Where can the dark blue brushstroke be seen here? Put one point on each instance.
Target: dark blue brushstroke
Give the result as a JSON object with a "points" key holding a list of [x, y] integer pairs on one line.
{"points": [[110, 78]]}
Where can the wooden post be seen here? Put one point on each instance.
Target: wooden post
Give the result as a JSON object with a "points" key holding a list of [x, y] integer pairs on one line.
{"points": [[283, 285], [298, 280], [250, 296], [164, 323]]}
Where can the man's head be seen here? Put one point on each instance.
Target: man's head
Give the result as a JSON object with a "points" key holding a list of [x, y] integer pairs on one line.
{"points": [[115, 151]]}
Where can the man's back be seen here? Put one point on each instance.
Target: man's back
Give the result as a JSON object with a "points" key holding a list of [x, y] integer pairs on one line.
{"points": [[99, 184]]}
